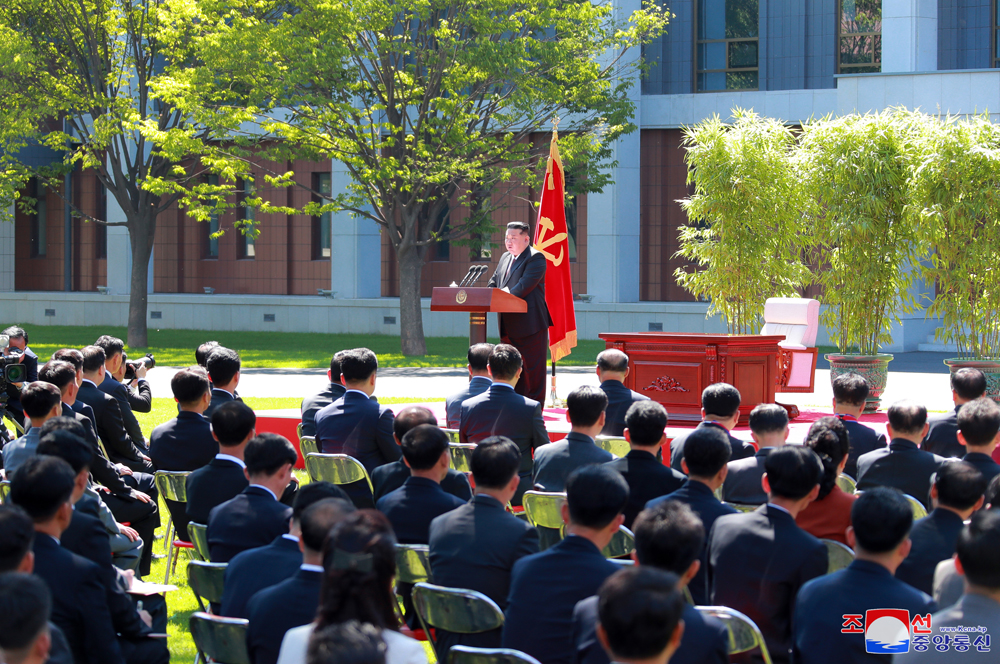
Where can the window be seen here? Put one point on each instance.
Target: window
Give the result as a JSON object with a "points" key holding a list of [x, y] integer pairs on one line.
{"points": [[321, 244], [726, 45], [246, 247], [571, 217], [211, 244], [39, 218], [100, 230], [442, 248], [860, 37], [996, 34]]}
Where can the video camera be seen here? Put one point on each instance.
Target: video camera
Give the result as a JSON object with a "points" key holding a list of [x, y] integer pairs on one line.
{"points": [[130, 367]]}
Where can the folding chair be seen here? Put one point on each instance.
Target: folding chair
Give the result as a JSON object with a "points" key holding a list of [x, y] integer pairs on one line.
{"points": [[452, 435], [412, 563], [461, 456], [919, 511], [308, 445], [207, 581], [199, 537], [614, 444], [846, 483], [337, 469], [454, 610], [217, 639], [544, 511], [621, 545], [744, 635], [298, 430], [839, 555], [741, 507], [171, 485], [4, 490], [469, 655]]}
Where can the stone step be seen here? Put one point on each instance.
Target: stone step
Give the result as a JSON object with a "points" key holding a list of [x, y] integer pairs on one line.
{"points": [[935, 347]]}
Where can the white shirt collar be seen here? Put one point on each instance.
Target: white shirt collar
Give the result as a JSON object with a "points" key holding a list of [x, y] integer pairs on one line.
{"points": [[261, 486], [311, 568], [778, 507], [291, 537], [219, 389], [358, 392], [87, 380], [497, 383], [228, 457]]}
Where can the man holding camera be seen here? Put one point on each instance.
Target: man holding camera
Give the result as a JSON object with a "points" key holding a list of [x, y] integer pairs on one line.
{"points": [[114, 362], [17, 343]]}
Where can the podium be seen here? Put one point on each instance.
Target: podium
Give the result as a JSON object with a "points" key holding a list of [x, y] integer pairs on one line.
{"points": [[477, 301]]}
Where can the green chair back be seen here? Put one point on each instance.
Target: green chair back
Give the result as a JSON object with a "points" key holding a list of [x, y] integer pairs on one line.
{"points": [[470, 655], [171, 484], [412, 563], [217, 639], [740, 507], [298, 430], [4, 490], [198, 532], [919, 511], [207, 581], [452, 435], [461, 456], [614, 444], [308, 445], [846, 483], [839, 555], [337, 469], [544, 508], [455, 610], [744, 635], [621, 545]]}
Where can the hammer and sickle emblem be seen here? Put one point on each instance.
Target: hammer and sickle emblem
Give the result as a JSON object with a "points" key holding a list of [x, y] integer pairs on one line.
{"points": [[544, 241]]}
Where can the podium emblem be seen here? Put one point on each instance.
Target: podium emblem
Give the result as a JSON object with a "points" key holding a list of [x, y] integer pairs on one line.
{"points": [[461, 296]]}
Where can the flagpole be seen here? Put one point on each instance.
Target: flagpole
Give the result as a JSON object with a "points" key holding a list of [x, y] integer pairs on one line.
{"points": [[553, 397]]}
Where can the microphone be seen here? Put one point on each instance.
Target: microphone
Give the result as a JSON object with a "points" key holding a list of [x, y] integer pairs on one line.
{"points": [[479, 274], [468, 275]]}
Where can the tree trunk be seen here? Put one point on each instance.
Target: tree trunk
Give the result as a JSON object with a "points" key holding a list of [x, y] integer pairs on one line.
{"points": [[411, 322], [141, 239]]}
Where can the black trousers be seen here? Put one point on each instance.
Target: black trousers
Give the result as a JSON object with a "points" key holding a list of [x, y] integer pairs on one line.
{"points": [[144, 518], [533, 351]]}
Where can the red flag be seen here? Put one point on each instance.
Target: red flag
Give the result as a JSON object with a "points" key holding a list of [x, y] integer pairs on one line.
{"points": [[551, 239]]}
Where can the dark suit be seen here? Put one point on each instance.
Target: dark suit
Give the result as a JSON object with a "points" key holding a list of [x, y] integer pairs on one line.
{"points": [[620, 399], [741, 450], [822, 604], [984, 463], [756, 564], [185, 443], [647, 479], [388, 478], [313, 404], [528, 332], [453, 404], [256, 569], [862, 441], [212, 485], [942, 435], [544, 590], [555, 461], [219, 397], [251, 519], [122, 394], [500, 412], [30, 364], [111, 428], [102, 470], [411, 508], [275, 610], [900, 465], [140, 398], [742, 483], [934, 539]]}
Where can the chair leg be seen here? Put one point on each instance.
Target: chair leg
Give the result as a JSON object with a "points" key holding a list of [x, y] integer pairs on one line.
{"points": [[168, 540]]}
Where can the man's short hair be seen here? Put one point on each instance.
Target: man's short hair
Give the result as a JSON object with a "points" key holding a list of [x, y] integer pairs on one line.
{"points": [[267, 453], [993, 492], [232, 422], [639, 609], [223, 364], [968, 383], [189, 385], [71, 355], [768, 418], [25, 606], [350, 642], [58, 373], [720, 400], [495, 462], [907, 417], [93, 358], [335, 367], [357, 365], [16, 332], [706, 451], [313, 492], [410, 417], [793, 471], [63, 423], [669, 536], [41, 485], [71, 449], [979, 421], [204, 350], [646, 421], [423, 446], [977, 546], [479, 356], [612, 360], [585, 404], [595, 495], [39, 398], [881, 518], [320, 517], [17, 534], [519, 226], [959, 484], [112, 345], [504, 361], [850, 389]]}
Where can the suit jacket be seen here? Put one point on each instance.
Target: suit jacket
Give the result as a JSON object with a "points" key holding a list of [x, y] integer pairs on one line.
{"points": [[526, 281], [256, 569], [942, 436], [757, 562], [977, 610], [313, 404], [275, 610], [743, 480], [212, 485], [20, 450], [984, 463], [555, 461], [101, 469], [219, 397], [555, 580], [453, 404], [359, 427], [411, 508], [620, 399], [79, 602], [121, 394], [900, 465], [110, 426], [388, 478], [183, 443], [140, 398], [862, 441], [822, 603], [741, 450], [251, 519], [934, 538], [647, 479], [828, 517]]}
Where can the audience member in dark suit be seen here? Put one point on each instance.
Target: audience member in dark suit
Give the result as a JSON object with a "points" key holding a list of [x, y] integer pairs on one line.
{"points": [[646, 476], [113, 359], [389, 477], [554, 462], [18, 338], [956, 493], [720, 409], [758, 561], [850, 391], [255, 517], [476, 545], [941, 437], [266, 566], [499, 411], [25, 606], [316, 402], [612, 369], [223, 366], [902, 465], [829, 516], [545, 587], [705, 459], [292, 602], [233, 425], [41, 402], [669, 537], [479, 382], [979, 432], [769, 429], [880, 521]]}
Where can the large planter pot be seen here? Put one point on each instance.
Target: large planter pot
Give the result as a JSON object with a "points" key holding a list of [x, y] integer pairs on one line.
{"points": [[991, 368], [873, 368]]}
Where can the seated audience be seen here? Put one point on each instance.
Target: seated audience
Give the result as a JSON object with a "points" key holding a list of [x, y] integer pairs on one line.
{"points": [[254, 517], [902, 465], [350, 642], [705, 462], [41, 402], [612, 368], [758, 561], [114, 359], [359, 563], [233, 425], [544, 587], [720, 409], [829, 516], [499, 411], [554, 462], [956, 492], [25, 605], [645, 474], [639, 616], [880, 521], [313, 404], [223, 365], [476, 545], [669, 537], [769, 429], [941, 437], [479, 382], [850, 392], [979, 432]]}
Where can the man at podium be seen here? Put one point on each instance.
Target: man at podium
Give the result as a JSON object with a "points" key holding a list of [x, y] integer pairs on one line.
{"points": [[521, 272]]}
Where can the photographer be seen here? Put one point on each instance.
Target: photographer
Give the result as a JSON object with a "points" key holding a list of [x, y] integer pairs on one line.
{"points": [[133, 376], [18, 341], [114, 363]]}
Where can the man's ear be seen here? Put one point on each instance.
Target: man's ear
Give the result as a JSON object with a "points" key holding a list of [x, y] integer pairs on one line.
{"points": [[765, 483], [961, 439], [246, 474], [684, 467], [627, 435], [603, 418], [852, 541], [564, 512], [958, 565]]}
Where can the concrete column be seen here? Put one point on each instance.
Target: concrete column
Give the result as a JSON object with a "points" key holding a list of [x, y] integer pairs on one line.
{"points": [[120, 254], [7, 261], [909, 35], [356, 255]]}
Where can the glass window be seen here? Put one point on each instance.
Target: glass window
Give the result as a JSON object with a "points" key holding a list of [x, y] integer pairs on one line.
{"points": [[100, 230], [39, 218], [860, 37], [246, 247], [211, 244], [321, 244], [726, 45]]}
